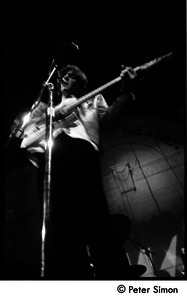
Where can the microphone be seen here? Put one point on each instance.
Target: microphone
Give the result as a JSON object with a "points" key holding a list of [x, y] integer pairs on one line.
{"points": [[66, 51], [70, 47], [76, 46], [65, 47]]}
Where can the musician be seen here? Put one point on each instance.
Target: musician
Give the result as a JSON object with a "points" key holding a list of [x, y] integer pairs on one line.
{"points": [[81, 242]]}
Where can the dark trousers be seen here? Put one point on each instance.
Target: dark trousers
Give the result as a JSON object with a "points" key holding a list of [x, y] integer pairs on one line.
{"points": [[80, 233], [80, 218]]}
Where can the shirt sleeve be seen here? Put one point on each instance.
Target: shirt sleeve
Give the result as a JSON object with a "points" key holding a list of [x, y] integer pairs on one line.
{"points": [[102, 106], [110, 115]]}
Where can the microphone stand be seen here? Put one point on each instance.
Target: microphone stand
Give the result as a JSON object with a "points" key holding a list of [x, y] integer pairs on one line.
{"points": [[47, 176], [36, 103], [147, 252], [47, 171]]}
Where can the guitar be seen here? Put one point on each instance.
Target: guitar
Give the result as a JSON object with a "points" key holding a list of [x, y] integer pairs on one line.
{"points": [[35, 131]]}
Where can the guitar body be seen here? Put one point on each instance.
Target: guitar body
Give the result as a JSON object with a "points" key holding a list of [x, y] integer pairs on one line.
{"points": [[36, 131]]}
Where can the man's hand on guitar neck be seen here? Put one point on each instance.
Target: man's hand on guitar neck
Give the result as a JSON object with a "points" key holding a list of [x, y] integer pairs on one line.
{"points": [[129, 78], [128, 73]]}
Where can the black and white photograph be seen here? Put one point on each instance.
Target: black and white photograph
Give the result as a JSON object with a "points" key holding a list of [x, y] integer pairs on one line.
{"points": [[95, 117]]}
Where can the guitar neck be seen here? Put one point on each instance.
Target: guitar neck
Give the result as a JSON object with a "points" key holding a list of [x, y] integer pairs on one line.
{"points": [[98, 90], [92, 94]]}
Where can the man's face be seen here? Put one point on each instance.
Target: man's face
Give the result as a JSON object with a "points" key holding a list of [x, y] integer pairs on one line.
{"points": [[67, 81]]}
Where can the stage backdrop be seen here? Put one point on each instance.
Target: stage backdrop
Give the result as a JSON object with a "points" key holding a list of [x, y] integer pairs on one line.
{"points": [[143, 176]]}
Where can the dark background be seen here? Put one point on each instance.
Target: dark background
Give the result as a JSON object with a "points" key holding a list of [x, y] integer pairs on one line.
{"points": [[108, 35]]}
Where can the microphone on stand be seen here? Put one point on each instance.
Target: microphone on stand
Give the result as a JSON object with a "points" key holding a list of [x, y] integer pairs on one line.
{"points": [[66, 51], [76, 46], [70, 50]]}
